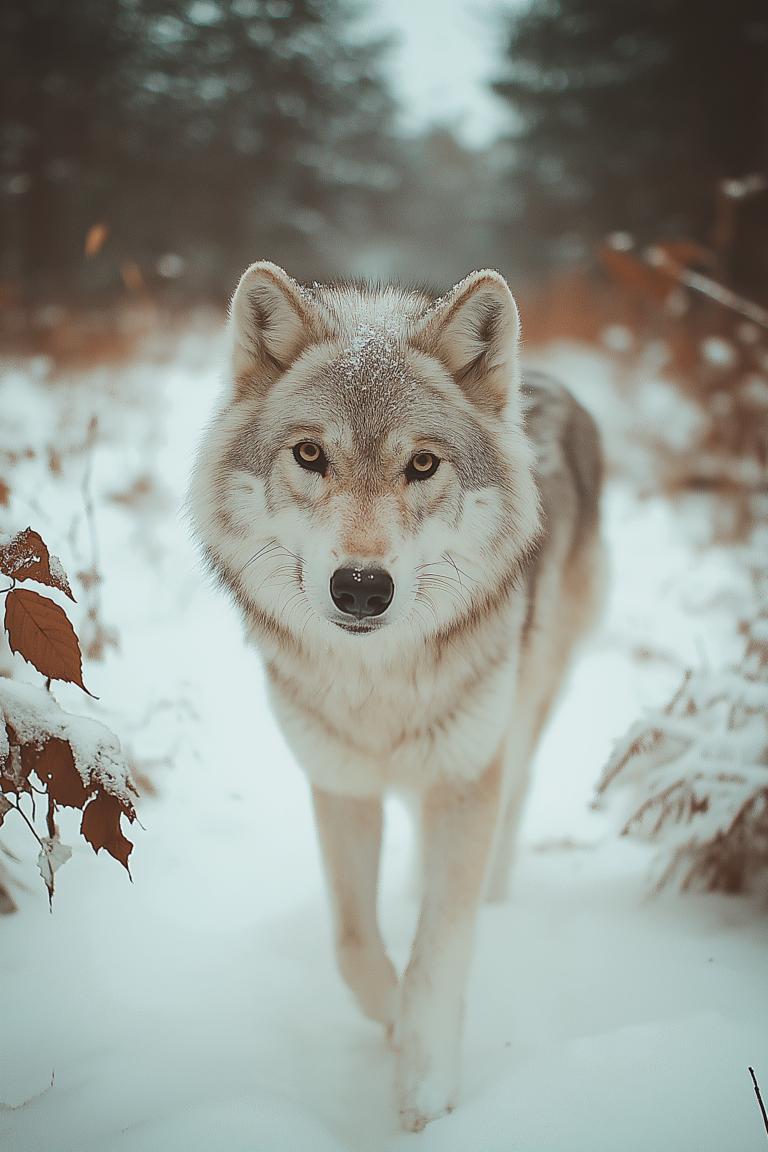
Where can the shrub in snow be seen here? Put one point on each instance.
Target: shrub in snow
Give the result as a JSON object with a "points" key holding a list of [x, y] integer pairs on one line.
{"points": [[693, 776], [714, 352], [46, 754]]}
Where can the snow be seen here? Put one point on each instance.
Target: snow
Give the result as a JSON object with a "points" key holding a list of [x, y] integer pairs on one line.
{"points": [[199, 1007], [35, 717]]}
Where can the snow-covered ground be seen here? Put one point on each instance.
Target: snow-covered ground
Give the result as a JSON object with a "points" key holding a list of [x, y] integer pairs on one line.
{"points": [[198, 1008]]}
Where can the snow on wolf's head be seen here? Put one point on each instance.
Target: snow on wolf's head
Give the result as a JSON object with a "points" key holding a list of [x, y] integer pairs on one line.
{"points": [[367, 473]]}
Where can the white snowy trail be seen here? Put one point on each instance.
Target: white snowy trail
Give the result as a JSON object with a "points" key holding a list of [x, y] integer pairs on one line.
{"points": [[199, 1009]]}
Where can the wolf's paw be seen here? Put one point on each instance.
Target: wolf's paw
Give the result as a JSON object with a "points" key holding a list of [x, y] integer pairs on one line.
{"points": [[429, 1101], [426, 1086], [414, 1118]]}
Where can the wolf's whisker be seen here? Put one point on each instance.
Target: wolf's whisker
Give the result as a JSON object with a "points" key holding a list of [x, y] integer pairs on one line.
{"points": [[427, 600], [448, 585], [283, 608], [423, 621], [306, 625], [258, 555], [441, 576], [450, 580], [277, 572], [456, 578], [298, 559], [456, 568]]}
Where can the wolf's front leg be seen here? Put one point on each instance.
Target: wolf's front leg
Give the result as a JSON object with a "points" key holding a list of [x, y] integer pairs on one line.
{"points": [[349, 829], [458, 826]]}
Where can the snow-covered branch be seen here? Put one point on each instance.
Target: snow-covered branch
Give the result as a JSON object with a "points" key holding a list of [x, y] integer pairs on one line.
{"points": [[693, 776]]}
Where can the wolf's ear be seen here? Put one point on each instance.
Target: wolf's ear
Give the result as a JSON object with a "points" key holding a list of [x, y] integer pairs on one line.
{"points": [[474, 331], [270, 324]]}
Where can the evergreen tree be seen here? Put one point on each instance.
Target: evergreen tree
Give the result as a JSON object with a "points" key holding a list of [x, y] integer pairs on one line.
{"points": [[221, 130], [633, 113]]}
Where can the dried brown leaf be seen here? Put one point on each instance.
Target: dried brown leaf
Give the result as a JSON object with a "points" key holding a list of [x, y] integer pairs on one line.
{"points": [[41, 632], [26, 557], [55, 768], [101, 826], [635, 276], [95, 238]]}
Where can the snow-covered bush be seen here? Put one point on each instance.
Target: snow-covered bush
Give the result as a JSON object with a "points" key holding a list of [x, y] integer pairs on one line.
{"points": [[47, 755], [710, 345], [693, 776]]}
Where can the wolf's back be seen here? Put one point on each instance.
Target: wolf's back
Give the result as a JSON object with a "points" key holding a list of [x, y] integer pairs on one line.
{"points": [[569, 457]]}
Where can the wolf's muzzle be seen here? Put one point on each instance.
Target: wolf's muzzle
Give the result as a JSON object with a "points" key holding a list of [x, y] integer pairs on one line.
{"points": [[362, 592]]}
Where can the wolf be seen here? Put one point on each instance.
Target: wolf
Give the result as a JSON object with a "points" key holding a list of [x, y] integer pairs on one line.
{"points": [[411, 532]]}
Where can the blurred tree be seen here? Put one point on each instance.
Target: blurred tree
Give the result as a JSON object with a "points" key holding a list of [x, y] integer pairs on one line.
{"points": [[438, 225], [632, 114], [199, 134]]}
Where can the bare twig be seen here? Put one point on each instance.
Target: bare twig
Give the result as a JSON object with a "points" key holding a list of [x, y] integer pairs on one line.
{"points": [[24, 1103], [759, 1097], [658, 258], [100, 635], [90, 511], [25, 818]]}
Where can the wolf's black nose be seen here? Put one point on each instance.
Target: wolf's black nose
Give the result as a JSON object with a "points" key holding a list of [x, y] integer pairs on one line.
{"points": [[362, 591]]}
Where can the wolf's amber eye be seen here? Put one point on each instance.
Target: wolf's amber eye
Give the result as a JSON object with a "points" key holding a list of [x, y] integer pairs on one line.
{"points": [[422, 466], [311, 457]]}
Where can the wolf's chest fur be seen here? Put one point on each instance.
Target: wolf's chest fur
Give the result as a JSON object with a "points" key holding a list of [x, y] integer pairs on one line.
{"points": [[417, 713]]}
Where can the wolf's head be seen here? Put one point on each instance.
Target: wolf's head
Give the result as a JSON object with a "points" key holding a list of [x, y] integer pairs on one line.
{"points": [[367, 471]]}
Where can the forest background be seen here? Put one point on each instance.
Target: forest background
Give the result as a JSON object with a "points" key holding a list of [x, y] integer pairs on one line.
{"points": [[151, 148]]}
